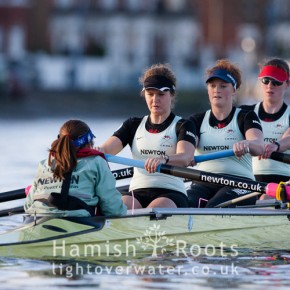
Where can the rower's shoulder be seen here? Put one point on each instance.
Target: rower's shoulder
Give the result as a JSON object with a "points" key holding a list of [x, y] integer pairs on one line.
{"points": [[248, 107], [132, 121], [197, 118]]}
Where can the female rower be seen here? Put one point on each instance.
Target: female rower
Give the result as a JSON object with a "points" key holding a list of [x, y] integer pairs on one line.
{"points": [[159, 138], [225, 127], [274, 116], [75, 179]]}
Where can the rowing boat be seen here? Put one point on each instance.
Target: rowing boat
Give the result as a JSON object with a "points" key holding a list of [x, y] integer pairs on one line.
{"points": [[149, 231], [154, 231]]}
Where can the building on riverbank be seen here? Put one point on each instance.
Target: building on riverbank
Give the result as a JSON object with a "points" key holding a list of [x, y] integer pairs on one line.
{"points": [[104, 45]]}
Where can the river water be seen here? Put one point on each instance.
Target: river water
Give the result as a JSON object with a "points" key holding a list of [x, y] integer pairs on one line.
{"points": [[24, 143]]}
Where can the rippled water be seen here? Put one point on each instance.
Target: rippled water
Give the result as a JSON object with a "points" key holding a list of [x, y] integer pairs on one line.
{"points": [[250, 271], [23, 144]]}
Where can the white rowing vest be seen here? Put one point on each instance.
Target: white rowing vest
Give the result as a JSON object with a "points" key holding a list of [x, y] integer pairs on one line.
{"points": [[214, 139], [145, 145], [273, 131]]}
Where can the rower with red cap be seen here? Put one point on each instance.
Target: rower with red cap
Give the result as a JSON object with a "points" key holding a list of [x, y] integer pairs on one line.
{"points": [[274, 115]]}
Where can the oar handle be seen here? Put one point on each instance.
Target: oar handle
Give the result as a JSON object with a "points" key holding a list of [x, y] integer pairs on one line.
{"points": [[214, 155], [125, 161], [282, 157]]}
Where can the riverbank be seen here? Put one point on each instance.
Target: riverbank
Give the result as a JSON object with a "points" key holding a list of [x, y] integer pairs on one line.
{"points": [[91, 104]]}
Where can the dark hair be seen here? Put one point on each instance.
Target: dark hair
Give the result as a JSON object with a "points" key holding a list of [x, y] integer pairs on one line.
{"points": [[230, 67], [62, 154], [277, 62]]}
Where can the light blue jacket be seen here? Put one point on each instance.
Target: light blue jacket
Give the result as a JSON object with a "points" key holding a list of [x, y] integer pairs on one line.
{"points": [[91, 181]]}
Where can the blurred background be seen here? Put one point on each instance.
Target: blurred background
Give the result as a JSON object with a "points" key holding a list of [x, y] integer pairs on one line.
{"points": [[63, 56]]}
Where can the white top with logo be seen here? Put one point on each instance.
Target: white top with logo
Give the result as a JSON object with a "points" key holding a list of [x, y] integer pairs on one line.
{"points": [[217, 139], [272, 131], [145, 145]]}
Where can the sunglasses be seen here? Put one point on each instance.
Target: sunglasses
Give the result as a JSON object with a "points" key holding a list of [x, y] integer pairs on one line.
{"points": [[266, 81]]}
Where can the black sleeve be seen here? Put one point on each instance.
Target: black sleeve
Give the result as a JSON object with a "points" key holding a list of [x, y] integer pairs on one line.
{"points": [[197, 120], [185, 130], [248, 120], [127, 131]]}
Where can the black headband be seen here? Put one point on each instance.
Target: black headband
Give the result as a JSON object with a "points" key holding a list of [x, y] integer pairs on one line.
{"points": [[158, 82]]}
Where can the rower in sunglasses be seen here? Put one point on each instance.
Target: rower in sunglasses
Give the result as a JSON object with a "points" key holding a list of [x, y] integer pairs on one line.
{"points": [[274, 114]]}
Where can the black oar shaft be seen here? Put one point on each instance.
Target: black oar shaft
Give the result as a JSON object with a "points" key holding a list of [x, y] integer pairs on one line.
{"points": [[282, 157], [12, 195], [226, 180], [123, 173], [180, 172], [10, 211]]}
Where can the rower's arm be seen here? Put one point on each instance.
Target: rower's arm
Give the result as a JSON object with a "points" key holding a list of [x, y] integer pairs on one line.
{"points": [[112, 146], [184, 154], [255, 138]]}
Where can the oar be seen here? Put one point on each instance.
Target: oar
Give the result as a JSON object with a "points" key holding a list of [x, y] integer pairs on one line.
{"points": [[10, 211], [278, 156], [198, 159], [235, 200], [12, 195], [214, 155], [118, 174], [20, 193], [128, 172], [282, 157], [193, 174], [19, 209]]}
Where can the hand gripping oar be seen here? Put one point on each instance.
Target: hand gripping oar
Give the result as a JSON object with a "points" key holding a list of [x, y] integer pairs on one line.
{"points": [[278, 191], [282, 157]]}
